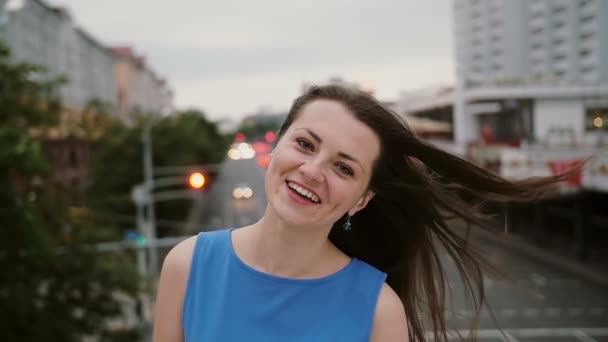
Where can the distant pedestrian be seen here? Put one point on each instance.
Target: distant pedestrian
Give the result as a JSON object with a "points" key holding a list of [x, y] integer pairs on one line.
{"points": [[349, 246]]}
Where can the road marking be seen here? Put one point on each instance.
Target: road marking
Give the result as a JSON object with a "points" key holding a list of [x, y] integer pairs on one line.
{"points": [[596, 311], [582, 334], [508, 313], [538, 279], [552, 312], [530, 313], [575, 311], [526, 312], [583, 337], [508, 337]]}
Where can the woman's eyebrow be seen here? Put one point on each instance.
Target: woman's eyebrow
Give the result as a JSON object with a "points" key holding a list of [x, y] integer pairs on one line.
{"points": [[319, 140]]}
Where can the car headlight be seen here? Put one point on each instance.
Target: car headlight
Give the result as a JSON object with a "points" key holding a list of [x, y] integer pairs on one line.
{"points": [[244, 192]]}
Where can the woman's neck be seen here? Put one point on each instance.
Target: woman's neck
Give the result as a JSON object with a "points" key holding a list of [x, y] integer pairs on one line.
{"points": [[275, 248]]}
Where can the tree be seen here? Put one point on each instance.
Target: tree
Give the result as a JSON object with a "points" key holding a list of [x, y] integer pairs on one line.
{"points": [[51, 288], [184, 138], [255, 130]]}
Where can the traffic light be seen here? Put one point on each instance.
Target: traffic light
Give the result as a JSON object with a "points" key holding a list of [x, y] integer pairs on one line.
{"points": [[197, 180], [135, 237], [270, 137], [240, 137]]}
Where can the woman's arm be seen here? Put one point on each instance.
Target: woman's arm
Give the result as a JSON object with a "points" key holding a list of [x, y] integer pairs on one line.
{"points": [[171, 292], [390, 323]]}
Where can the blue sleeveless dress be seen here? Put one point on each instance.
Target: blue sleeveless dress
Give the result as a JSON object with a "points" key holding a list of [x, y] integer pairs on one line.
{"points": [[227, 300]]}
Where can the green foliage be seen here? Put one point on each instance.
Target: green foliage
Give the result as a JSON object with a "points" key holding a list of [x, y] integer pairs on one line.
{"points": [[255, 131], [51, 289], [187, 138], [182, 139], [26, 102]]}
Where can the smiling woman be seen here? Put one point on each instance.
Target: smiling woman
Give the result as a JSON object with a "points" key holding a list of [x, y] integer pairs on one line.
{"points": [[348, 247]]}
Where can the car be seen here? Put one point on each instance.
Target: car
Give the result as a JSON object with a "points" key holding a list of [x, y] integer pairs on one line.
{"points": [[242, 191], [242, 150]]}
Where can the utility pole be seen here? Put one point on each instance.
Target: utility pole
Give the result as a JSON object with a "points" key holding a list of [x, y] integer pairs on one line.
{"points": [[150, 227]]}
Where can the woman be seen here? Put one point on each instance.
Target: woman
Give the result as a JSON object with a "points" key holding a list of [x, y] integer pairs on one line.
{"points": [[345, 250]]}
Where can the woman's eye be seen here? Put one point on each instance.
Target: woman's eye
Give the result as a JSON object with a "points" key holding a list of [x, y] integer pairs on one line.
{"points": [[345, 169], [303, 143]]}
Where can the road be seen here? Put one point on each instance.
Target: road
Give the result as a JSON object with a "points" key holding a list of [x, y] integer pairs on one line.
{"points": [[540, 302]]}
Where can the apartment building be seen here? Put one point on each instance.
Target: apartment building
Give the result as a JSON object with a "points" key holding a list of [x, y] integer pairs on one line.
{"points": [[524, 69], [45, 35]]}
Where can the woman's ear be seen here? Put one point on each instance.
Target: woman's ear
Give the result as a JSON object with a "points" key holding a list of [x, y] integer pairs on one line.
{"points": [[362, 202]]}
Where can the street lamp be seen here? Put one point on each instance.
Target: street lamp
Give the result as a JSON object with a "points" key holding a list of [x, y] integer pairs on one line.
{"points": [[197, 180]]}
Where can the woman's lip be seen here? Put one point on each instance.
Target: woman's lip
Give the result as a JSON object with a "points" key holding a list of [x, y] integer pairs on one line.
{"points": [[296, 198], [306, 188]]}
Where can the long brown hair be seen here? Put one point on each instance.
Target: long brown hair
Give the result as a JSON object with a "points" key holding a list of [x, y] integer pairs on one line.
{"points": [[403, 229]]}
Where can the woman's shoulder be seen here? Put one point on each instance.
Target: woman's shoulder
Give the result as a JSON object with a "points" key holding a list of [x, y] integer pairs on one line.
{"points": [[369, 271], [390, 322], [171, 291], [179, 257]]}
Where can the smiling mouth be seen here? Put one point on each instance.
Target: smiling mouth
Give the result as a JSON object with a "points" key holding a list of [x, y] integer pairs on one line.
{"points": [[303, 193]]}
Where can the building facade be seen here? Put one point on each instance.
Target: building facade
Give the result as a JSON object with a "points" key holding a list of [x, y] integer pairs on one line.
{"points": [[138, 87], [525, 71], [48, 36], [551, 42]]}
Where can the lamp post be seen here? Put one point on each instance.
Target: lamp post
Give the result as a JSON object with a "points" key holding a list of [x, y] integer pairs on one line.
{"points": [[150, 226]]}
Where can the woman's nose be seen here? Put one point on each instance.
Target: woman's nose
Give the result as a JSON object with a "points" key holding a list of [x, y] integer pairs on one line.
{"points": [[313, 170]]}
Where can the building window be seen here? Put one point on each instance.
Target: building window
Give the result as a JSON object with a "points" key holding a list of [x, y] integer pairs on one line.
{"points": [[73, 159]]}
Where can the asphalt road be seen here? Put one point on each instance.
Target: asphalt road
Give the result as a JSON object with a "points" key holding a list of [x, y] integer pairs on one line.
{"points": [[540, 302]]}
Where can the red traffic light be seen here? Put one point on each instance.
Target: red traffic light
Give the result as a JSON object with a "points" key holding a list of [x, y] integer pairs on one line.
{"points": [[197, 180], [270, 137], [240, 137]]}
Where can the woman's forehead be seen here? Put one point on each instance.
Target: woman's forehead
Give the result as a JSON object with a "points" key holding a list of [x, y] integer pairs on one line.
{"points": [[336, 125]]}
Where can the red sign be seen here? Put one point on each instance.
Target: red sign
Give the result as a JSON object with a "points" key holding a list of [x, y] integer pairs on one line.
{"points": [[559, 167]]}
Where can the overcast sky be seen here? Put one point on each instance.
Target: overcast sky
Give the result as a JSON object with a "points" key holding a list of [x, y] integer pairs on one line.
{"points": [[231, 57]]}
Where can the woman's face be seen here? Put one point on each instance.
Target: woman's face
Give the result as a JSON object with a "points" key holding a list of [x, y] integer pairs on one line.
{"points": [[322, 166]]}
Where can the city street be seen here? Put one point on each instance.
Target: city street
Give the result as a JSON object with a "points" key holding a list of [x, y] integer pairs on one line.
{"points": [[540, 302]]}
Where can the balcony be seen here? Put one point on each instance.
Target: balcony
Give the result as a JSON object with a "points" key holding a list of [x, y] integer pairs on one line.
{"points": [[559, 6], [536, 8], [590, 75], [587, 8], [559, 35], [588, 42], [588, 28], [537, 24], [559, 66], [589, 61], [538, 55], [496, 33]]}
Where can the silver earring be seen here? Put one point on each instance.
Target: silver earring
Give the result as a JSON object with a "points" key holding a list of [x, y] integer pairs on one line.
{"points": [[347, 225]]}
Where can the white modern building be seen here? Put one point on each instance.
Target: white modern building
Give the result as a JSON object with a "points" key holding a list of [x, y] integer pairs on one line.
{"points": [[524, 69], [44, 35]]}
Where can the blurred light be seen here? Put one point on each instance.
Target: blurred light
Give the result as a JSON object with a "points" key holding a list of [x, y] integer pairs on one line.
{"points": [[246, 151], [140, 240], [261, 147], [197, 180], [240, 137], [263, 160], [245, 192], [598, 122], [270, 137], [234, 154], [14, 5], [135, 237]]}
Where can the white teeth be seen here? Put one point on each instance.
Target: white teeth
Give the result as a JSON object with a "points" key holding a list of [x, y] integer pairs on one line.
{"points": [[303, 191]]}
